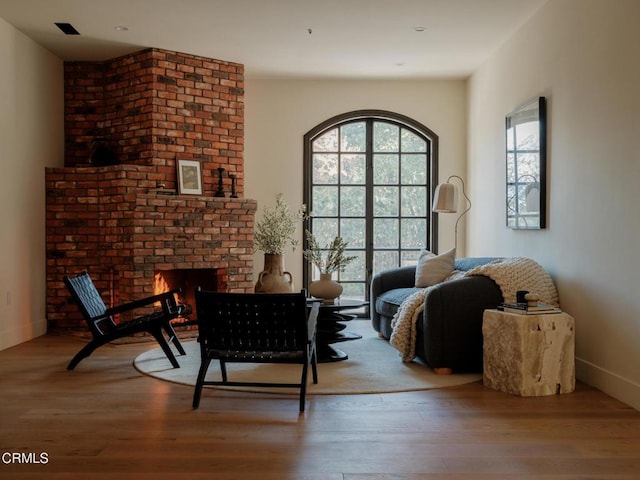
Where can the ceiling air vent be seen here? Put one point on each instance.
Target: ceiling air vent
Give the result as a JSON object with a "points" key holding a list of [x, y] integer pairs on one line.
{"points": [[67, 28]]}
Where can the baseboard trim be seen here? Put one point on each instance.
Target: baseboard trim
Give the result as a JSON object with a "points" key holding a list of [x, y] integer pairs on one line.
{"points": [[619, 387], [11, 335]]}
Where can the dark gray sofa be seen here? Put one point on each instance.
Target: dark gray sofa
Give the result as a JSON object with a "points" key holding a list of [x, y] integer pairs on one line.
{"points": [[450, 328]]}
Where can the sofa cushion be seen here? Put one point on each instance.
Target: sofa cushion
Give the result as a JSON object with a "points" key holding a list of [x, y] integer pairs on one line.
{"points": [[466, 264], [388, 303], [432, 269]]}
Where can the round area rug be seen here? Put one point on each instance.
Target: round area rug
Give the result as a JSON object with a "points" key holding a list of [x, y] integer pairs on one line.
{"points": [[373, 366]]}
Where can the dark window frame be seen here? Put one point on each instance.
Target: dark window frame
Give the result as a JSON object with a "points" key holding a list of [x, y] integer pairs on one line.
{"points": [[370, 116]]}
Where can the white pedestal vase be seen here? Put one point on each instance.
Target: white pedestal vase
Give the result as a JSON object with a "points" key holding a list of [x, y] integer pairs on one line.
{"points": [[326, 289]]}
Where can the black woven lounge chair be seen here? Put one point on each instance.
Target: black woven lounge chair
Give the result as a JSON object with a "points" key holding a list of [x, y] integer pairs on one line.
{"points": [[256, 328], [104, 329]]}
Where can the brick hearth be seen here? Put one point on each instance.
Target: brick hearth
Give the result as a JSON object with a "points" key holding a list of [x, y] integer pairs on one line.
{"points": [[152, 108]]}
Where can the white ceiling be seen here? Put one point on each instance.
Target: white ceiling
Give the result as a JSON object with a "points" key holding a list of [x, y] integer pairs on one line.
{"points": [[348, 39]]}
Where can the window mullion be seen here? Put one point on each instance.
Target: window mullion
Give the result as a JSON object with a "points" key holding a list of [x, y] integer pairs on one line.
{"points": [[369, 203]]}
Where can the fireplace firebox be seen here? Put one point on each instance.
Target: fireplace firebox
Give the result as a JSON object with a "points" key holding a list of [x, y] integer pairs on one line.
{"points": [[189, 279]]}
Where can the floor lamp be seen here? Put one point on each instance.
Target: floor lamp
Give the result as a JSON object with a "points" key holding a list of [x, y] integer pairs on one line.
{"points": [[445, 200]]}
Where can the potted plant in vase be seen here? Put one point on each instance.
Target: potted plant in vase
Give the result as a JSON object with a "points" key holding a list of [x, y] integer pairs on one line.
{"points": [[273, 234], [335, 260]]}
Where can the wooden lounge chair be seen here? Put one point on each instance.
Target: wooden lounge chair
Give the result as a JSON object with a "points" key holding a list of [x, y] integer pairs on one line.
{"points": [[104, 329]]}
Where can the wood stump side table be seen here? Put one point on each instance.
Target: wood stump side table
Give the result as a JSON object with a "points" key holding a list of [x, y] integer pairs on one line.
{"points": [[529, 355]]}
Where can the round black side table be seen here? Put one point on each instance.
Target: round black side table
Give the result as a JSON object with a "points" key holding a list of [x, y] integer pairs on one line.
{"points": [[330, 329]]}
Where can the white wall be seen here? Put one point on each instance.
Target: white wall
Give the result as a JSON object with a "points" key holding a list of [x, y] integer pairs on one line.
{"points": [[31, 137], [583, 56], [279, 112]]}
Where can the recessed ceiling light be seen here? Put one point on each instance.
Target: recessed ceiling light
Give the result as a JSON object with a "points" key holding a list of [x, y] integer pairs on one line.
{"points": [[419, 29], [120, 28]]}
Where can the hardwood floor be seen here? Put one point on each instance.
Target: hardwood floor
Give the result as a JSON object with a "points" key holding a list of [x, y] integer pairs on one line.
{"points": [[105, 420]]}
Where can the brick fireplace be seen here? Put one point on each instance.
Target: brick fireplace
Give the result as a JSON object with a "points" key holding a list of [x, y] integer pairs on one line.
{"points": [[123, 221]]}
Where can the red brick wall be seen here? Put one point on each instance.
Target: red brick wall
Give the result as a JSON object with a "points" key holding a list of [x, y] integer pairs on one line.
{"points": [[154, 107]]}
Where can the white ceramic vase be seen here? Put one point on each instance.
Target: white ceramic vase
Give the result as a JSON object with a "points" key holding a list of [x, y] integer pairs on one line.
{"points": [[326, 289]]}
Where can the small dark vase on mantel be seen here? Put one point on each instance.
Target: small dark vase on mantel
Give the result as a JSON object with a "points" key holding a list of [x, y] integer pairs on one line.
{"points": [[101, 154]]}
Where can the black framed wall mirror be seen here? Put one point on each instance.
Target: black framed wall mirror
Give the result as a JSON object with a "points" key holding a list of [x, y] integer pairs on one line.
{"points": [[527, 166]]}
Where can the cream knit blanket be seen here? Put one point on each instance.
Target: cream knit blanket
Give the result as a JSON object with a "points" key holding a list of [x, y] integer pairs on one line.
{"points": [[510, 274]]}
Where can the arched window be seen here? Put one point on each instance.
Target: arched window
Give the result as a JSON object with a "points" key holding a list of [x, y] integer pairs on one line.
{"points": [[369, 178]]}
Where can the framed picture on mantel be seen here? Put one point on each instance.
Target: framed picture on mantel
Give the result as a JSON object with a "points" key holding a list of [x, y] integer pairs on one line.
{"points": [[189, 177]]}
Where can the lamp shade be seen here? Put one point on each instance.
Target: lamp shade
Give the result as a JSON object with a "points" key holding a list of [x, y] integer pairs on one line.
{"points": [[445, 199]]}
